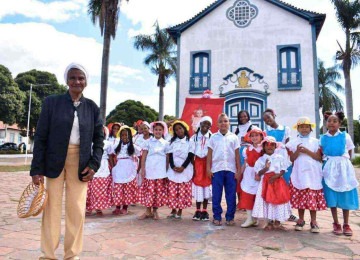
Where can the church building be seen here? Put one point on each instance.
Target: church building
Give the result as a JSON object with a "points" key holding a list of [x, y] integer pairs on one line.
{"points": [[252, 55]]}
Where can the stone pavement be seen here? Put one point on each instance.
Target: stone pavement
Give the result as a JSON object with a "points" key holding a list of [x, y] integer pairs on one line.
{"points": [[125, 237]]}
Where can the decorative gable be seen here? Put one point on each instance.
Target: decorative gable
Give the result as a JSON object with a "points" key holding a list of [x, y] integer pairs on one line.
{"points": [[242, 13]]}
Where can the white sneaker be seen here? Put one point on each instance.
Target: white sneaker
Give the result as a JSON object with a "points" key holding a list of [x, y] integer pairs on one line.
{"points": [[248, 223]]}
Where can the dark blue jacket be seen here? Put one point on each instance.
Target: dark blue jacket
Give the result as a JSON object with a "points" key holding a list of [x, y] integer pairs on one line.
{"points": [[53, 134]]}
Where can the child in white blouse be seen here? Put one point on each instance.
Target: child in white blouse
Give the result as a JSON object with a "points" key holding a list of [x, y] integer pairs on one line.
{"points": [[272, 201], [181, 170], [306, 188], [153, 190], [223, 166], [201, 188], [124, 172]]}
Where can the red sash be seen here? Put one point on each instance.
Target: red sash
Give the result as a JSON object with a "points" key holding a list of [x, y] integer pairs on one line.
{"points": [[277, 192], [200, 177]]}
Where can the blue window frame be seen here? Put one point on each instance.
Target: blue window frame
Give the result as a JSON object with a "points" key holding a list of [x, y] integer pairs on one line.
{"points": [[200, 69], [289, 67]]}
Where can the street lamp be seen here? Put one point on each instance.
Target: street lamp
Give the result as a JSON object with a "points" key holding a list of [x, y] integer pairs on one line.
{"points": [[28, 119]]}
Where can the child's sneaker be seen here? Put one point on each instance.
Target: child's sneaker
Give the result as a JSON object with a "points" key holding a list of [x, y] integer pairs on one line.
{"points": [[293, 218], [337, 229], [204, 216], [299, 225], [314, 228], [347, 230], [197, 216]]}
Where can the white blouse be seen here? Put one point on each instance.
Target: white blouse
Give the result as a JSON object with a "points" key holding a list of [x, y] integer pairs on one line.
{"points": [[223, 147], [201, 144], [180, 149], [277, 163], [306, 172], [155, 164]]}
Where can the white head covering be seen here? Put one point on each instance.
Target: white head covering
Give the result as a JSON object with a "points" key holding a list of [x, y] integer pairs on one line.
{"points": [[76, 66], [204, 118], [147, 124]]}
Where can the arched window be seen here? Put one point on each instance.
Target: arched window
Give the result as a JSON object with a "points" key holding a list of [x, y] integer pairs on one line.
{"points": [[289, 67], [200, 71]]}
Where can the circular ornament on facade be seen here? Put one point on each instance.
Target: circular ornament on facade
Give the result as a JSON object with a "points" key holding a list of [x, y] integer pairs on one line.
{"points": [[242, 13]]}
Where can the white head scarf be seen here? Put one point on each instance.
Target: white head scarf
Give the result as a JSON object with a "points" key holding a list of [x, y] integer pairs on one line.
{"points": [[147, 124], [76, 66]]}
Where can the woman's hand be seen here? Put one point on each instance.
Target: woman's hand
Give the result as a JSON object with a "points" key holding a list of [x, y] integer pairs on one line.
{"points": [[36, 179], [89, 174], [257, 177], [210, 174]]}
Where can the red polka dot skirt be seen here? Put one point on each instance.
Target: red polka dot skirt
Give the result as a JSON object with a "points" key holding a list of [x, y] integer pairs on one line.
{"points": [[125, 193], [153, 193], [179, 195], [307, 199], [99, 193]]}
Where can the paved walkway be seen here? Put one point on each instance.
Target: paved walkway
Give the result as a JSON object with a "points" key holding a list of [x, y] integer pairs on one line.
{"points": [[125, 237]]}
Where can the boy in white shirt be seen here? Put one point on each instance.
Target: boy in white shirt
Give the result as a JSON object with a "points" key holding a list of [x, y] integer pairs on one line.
{"points": [[223, 166]]}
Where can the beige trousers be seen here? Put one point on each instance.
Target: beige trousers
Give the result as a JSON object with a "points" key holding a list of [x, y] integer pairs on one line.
{"points": [[75, 203]]}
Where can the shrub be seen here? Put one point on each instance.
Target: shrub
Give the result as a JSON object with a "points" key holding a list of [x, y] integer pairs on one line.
{"points": [[356, 160]]}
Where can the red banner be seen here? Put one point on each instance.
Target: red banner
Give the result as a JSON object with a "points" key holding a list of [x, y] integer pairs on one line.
{"points": [[196, 108]]}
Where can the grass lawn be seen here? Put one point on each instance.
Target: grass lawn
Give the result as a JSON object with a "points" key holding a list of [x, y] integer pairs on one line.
{"points": [[16, 168]]}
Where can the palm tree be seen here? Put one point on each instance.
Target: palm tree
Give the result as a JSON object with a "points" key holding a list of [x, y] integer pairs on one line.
{"points": [[348, 16], [328, 100], [107, 13], [161, 58]]}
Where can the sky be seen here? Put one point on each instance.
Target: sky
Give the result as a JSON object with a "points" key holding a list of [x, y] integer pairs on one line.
{"points": [[48, 35]]}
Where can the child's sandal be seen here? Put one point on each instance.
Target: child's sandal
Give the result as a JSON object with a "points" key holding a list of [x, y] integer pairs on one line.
{"points": [[145, 216], [230, 223], [116, 212], [268, 227], [216, 222], [88, 213], [171, 216], [99, 213]]}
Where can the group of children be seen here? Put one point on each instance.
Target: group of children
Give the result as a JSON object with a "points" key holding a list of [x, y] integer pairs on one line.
{"points": [[270, 173]]}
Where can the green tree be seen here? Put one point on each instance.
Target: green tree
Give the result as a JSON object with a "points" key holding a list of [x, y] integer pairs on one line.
{"points": [[11, 98], [161, 58], [39, 93], [328, 86], [107, 13], [130, 111], [348, 16]]}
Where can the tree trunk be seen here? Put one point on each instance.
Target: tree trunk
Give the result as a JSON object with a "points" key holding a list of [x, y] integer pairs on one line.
{"points": [[161, 102], [348, 89], [105, 68]]}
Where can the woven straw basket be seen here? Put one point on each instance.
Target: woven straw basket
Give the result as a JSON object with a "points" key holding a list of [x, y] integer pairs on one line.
{"points": [[32, 201]]}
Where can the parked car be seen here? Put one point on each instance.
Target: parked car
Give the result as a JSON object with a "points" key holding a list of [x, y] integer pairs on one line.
{"points": [[9, 147]]}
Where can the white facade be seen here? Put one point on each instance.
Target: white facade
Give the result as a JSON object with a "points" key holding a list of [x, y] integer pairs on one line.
{"points": [[256, 47]]}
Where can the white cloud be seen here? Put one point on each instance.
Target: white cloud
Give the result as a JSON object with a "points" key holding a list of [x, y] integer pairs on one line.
{"points": [[40, 46], [119, 73], [144, 13], [57, 11]]}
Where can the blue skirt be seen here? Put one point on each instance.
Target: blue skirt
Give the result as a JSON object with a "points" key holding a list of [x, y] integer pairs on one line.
{"points": [[344, 200]]}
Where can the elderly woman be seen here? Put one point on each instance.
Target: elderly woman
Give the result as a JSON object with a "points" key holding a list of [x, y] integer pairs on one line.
{"points": [[68, 150]]}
